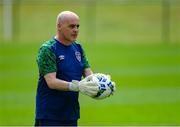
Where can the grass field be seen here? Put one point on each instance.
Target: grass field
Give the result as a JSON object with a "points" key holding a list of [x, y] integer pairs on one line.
{"points": [[147, 78], [147, 74]]}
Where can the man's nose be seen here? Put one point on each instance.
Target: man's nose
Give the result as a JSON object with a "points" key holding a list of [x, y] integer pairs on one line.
{"points": [[76, 29]]}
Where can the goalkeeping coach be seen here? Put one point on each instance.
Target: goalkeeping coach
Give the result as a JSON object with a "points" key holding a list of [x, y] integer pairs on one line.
{"points": [[62, 62]]}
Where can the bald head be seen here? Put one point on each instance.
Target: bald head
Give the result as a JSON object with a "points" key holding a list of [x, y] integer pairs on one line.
{"points": [[67, 25], [66, 15]]}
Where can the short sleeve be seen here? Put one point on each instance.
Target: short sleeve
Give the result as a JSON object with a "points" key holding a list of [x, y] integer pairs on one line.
{"points": [[46, 61], [85, 60]]}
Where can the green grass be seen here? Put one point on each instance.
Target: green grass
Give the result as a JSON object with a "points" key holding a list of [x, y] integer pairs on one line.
{"points": [[147, 78]]}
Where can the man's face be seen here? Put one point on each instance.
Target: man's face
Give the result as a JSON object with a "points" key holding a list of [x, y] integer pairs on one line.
{"points": [[69, 29]]}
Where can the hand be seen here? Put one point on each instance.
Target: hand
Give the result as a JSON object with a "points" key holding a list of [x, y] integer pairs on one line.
{"points": [[74, 85], [86, 86]]}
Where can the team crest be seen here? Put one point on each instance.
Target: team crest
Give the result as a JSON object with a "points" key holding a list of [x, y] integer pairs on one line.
{"points": [[78, 56]]}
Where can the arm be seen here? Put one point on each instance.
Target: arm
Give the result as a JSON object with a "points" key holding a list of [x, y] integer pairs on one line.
{"points": [[54, 83], [58, 84], [86, 86], [87, 72]]}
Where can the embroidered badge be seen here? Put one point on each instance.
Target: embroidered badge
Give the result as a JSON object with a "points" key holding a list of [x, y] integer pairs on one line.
{"points": [[78, 56]]}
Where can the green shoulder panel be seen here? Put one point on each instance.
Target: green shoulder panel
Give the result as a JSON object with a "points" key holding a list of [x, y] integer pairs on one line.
{"points": [[46, 58]]}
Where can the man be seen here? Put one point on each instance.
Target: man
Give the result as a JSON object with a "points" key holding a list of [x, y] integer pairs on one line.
{"points": [[62, 63]]}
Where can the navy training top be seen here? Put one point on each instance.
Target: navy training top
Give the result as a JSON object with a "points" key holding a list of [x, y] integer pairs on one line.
{"points": [[69, 63]]}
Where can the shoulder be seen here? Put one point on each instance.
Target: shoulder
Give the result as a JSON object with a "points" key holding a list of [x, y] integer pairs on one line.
{"points": [[48, 44], [78, 45], [47, 48]]}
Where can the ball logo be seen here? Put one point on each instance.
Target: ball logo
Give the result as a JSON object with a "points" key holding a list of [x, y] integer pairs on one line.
{"points": [[78, 56]]}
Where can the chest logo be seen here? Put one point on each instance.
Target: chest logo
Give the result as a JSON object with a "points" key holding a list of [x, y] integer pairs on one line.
{"points": [[78, 56], [61, 57]]}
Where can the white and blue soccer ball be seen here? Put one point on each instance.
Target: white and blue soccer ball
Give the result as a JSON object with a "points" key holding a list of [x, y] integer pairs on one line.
{"points": [[106, 86]]}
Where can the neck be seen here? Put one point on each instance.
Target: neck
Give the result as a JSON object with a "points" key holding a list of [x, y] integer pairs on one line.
{"points": [[61, 40]]}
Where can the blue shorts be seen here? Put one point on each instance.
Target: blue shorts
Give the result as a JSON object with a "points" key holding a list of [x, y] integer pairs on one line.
{"points": [[45, 122]]}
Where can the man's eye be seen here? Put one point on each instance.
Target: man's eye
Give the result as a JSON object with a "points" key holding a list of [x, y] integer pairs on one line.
{"points": [[73, 26]]}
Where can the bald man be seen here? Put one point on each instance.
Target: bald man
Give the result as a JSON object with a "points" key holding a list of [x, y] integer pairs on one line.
{"points": [[62, 62]]}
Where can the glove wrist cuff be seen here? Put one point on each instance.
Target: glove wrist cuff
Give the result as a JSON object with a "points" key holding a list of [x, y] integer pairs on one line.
{"points": [[73, 86]]}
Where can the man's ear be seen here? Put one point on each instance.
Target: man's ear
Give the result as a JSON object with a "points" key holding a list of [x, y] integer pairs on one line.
{"points": [[59, 26]]}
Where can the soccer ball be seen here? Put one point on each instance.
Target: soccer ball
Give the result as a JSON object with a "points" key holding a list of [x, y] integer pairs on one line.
{"points": [[106, 86]]}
